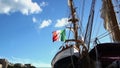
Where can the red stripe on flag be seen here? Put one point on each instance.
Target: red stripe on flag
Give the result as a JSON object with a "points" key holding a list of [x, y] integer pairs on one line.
{"points": [[55, 36]]}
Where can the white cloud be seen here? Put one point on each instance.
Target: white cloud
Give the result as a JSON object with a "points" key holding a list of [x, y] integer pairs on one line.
{"points": [[62, 22], [34, 20], [45, 23], [43, 4], [24, 6]]}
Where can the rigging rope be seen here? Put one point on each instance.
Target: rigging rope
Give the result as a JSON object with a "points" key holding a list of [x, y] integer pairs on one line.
{"points": [[98, 12], [82, 15], [89, 25], [106, 33]]}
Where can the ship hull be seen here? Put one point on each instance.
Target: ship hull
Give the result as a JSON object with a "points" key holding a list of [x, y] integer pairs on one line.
{"points": [[66, 58], [106, 55]]}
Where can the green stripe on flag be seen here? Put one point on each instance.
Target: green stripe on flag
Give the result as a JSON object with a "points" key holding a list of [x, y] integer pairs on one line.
{"points": [[63, 35]]}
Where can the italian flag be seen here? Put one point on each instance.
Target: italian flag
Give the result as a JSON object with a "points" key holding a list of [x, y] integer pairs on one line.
{"points": [[59, 35]]}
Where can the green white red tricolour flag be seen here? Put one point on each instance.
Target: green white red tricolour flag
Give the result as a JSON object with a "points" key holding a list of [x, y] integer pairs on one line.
{"points": [[59, 35]]}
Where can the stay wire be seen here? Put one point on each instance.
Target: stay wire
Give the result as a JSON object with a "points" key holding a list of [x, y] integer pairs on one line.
{"points": [[106, 33], [82, 15]]}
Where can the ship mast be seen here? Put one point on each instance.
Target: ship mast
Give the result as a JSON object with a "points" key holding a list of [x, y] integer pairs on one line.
{"points": [[74, 21], [110, 20]]}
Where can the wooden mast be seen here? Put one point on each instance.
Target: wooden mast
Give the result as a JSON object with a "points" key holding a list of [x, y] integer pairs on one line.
{"points": [[110, 20], [74, 20]]}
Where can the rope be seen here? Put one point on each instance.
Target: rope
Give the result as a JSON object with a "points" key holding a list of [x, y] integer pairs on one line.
{"points": [[106, 33], [82, 14], [109, 32], [96, 21], [98, 30]]}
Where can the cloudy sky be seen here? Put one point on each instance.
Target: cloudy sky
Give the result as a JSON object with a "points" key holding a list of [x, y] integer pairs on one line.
{"points": [[26, 28]]}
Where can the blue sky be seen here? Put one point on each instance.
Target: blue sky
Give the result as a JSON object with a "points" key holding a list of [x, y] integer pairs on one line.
{"points": [[26, 28]]}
